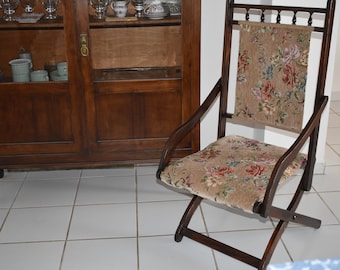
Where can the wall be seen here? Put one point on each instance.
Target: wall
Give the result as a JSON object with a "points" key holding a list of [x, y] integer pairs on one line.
{"points": [[336, 81], [212, 41]]}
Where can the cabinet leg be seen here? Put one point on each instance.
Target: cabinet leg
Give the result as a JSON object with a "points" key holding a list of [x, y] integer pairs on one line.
{"points": [[2, 173]]}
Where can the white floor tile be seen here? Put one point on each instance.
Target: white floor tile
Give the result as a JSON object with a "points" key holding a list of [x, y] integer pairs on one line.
{"points": [[219, 218], [332, 199], [310, 205], [36, 224], [329, 181], [53, 174], [333, 135], [14, 175], [107, 189], [3, 214], [8, 191], [103, 221], [336, 148], [47, 193], [37, 256], [114, 171], [150, 189], [166, 254], [162, 218], [306, 243], [335, 105], [252, 242], [105, 254], [289, 186], [146, 170], [334, 120], [331, 156]]}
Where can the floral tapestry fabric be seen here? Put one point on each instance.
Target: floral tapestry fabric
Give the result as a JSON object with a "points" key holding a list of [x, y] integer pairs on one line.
{"points": [[272, 74], [233, 170]]}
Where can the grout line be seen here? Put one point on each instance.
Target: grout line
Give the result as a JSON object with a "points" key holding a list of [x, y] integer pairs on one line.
{"points": [[70, 221], [207, 232], [328, 207], [137, 227], [13, 201]]}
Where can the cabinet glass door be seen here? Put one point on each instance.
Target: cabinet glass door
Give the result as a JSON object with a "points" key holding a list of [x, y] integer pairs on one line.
{"points": [[136, 47], [37, 109], [136, 62]]}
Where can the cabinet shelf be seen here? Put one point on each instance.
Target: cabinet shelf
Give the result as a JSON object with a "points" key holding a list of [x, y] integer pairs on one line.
{"points": [[133, 22], [41, 24], [152, 73]]}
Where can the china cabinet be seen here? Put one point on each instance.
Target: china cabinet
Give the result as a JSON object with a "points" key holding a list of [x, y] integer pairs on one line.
{"points": [[130, 82]]}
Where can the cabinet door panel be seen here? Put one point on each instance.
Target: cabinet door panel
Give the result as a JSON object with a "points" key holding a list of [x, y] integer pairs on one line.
{"points": [[142, 115], [160, 113], [114, 117], [38, 121]]}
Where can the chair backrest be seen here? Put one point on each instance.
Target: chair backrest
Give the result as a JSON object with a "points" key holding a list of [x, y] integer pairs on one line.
{"points": [[272, 74], [273, 62]]}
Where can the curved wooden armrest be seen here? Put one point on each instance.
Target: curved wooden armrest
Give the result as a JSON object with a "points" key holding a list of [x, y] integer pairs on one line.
{"points": [[290, 155], [186, 127]]}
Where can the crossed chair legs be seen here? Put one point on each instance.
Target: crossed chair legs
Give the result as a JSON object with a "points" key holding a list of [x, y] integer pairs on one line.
{"points": [[285, 216]]}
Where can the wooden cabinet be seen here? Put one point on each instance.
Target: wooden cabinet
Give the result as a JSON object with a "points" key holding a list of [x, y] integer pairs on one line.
{"points": [[130, 86]]}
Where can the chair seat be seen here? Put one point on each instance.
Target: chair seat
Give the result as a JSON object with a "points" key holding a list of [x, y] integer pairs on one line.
{"points": [[233, 170]]}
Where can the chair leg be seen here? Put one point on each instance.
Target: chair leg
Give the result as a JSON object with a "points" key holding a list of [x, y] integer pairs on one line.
{"points": [[284, 216], [183, 230], [195, 202], [274, 240]]}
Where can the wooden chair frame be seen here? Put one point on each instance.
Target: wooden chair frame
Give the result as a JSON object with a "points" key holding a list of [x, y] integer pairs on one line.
{"points": [[310, 131]]}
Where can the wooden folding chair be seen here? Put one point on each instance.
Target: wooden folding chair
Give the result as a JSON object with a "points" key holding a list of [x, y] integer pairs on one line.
{"points": [[270, 85]]}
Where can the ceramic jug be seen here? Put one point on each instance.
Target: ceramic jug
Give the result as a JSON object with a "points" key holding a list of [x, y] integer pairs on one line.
{"points": [[120, 8]]}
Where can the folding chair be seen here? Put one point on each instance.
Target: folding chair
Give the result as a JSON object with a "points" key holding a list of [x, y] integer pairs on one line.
{"points": [[270, 85]]}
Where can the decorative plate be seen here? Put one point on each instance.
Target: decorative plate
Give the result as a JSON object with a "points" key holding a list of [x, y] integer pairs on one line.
{"points": [[29, 18]]}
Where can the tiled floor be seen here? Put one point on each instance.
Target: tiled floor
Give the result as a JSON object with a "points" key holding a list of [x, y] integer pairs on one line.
{"points": [[122, 219]]}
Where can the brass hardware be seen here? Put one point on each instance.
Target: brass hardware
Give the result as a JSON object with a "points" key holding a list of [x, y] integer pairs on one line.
{"points": [[84, 49]]}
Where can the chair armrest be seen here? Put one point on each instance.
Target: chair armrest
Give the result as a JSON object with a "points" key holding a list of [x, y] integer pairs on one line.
{"points": [[291, 154], [186, 127]]}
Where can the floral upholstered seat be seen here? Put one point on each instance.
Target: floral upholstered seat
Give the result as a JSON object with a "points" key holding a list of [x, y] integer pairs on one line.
{"points": [[233, 170]]}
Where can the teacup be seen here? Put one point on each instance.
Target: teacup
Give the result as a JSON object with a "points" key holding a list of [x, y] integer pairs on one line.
{"points": [[21, 69], [120, 8], [62, 68], [154, 8], [39, 76]]}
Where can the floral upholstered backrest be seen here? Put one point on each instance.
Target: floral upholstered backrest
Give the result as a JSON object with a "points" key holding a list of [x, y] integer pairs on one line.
{"points": [[272, 74]]}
